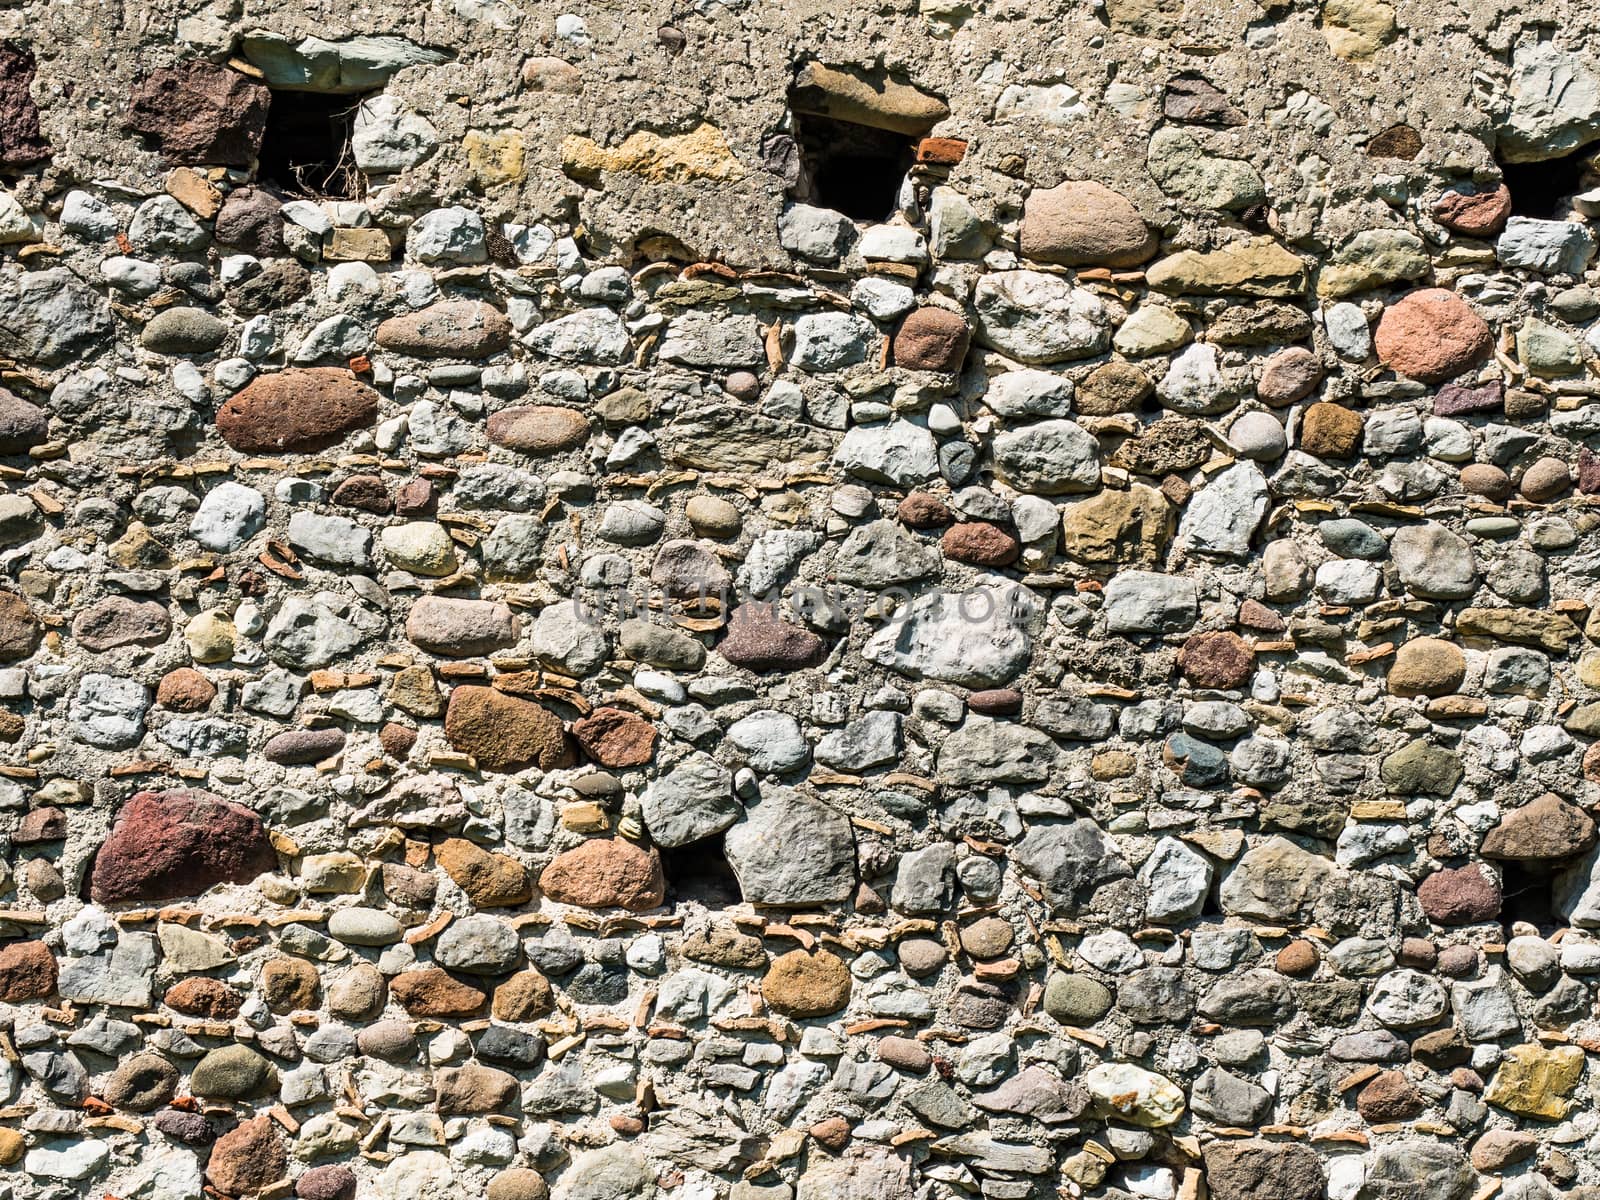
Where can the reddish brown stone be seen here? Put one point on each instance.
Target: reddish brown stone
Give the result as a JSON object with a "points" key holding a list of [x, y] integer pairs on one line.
{"points": [[1476, 214], [1397, 141], [919, 510], [606, 873], [185, 690], [614, 738], [27, 972], [326, 1183], [47, 824], [1255, 615], [1289, 375], [119, 621], [448, 329], [1500, 1148], [1330, 431], [981, 543], [505, 733], [931, 339], [1083, 223], [1299, 957], [19, 630], [199, 112], [21, 141], [1545, 830], [1486, 480], [179, 843], [251, 222], [996, 702], [202, 997], [248, 1157], [490, 880], [434, 992], [941, 151], [365, 492], [759, 641], [397, 740], [1432, 335], [300, 409], [415, 498], [1389, 1097], [1216, 660], [1588, 471], [538, 428], [831, 1133], [526, 996], [1545, 480], [1462, 896]]}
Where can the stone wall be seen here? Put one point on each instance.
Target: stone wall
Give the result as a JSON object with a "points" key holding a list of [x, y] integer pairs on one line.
{"points": [[799, 602]]}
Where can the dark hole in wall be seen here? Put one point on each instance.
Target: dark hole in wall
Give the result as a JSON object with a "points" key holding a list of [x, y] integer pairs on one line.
{"points": [[1540, 189], [853, 169], [305, 150], [700, 871], [1526, 895]]}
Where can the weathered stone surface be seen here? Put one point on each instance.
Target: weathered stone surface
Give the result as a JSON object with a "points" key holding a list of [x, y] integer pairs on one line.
{"points": [[1431, 335], [179, 843], [297, 410], [605, 873], [201, 113], [504, 732], [448, 329], [1085, 224]]}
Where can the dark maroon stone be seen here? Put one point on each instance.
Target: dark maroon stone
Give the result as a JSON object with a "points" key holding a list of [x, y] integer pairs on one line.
{"points": [[201, 113], [1454, 400], [41, 825], [179, 843], [326, 1183], [996, 702], [366, 492], [303, 746], [1194, 98], [1588, 471], [191, 1128], [21, 142], [21, 424], [415, 498], [758, 640]]}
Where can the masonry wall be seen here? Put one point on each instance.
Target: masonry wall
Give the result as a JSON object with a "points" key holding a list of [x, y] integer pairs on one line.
{"points": [[799, 602]]}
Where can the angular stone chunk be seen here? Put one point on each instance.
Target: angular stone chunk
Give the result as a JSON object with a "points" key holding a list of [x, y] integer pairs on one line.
{"points": [[1260, 267], [979, 639], [179, 843], [789, 851], [504, 732], [605, 873], [297, 410], [864, 97], [200, 112], [1069, 860]]}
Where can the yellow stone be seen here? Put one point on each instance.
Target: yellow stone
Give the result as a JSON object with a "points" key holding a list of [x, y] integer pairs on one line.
{"points": [[1535, 1081], [585, 817], [1589, 670], [1259, 267], [495, 158], [11, 1146], [195, 192], [702, 153], [210, 636], [357, 245], [1355, 29], [414, 691]]}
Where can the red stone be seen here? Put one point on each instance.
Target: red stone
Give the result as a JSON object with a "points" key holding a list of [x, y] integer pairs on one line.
{"points": [[1216, 660], [434, 992], [758, 641], [932, 339], [27, 972], [203, 997], [941, 151], [185, 690], [1463, 896], [326, 1183], [919, 510], [615, 738], [606, 873], [1432, 335], [1476, 214], [179, 843], [248, 1157], [298, 409], [1389, 1097], [504, 732], [981, 543], [21, 142], [200, 112]]}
